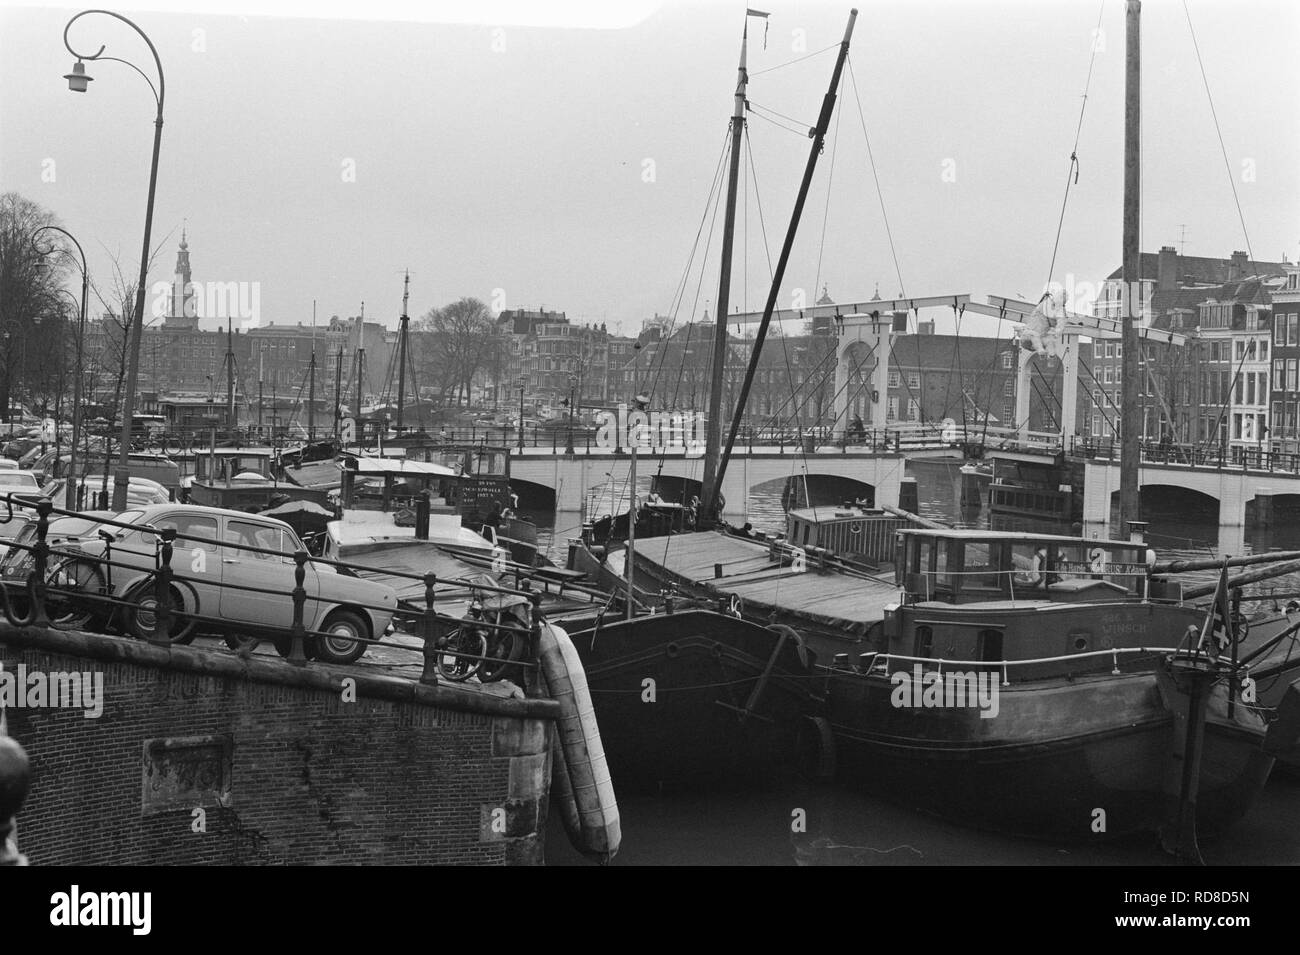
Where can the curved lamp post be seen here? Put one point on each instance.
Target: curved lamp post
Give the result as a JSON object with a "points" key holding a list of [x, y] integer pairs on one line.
{"points": [[70, 499], [78, 82]]}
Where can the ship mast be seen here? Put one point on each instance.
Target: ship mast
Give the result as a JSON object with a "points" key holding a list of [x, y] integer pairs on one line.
{"points": [[818, 137], [713, 437], [311, 379], [1131, 271], [403, 322]]}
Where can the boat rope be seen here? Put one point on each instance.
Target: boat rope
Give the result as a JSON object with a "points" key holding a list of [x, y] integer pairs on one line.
{"points": [[1092, 396], [880, 196], [1072, 173], [1232, 181], [767, 251], [789, 129], [830, 182], [800, 59], [1213, 436], [799, 125]]}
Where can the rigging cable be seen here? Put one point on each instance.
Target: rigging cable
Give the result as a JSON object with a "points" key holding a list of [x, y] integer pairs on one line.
{"points": [[1222, 148], [1072, 174]]}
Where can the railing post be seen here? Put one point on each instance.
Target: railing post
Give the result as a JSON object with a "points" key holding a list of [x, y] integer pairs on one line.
{"points": [[162, 589], [40, 565], [533, 672], [298, 632], [430, 628]]}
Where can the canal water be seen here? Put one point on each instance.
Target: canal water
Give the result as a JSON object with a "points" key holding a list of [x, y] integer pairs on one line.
{"points": [[824, 824]]}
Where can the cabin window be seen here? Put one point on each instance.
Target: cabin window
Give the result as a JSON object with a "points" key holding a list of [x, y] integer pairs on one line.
{"points": [[989, 646], [924, 641], [981, 570]]}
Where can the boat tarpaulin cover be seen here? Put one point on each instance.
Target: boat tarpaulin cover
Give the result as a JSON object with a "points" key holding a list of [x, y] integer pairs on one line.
{"points": [[840, 601]]}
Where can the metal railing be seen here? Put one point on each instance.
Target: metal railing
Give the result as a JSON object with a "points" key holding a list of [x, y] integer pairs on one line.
{"points": [[158, 590]]}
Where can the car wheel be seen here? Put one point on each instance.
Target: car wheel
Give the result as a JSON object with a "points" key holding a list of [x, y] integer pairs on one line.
{"points": [[141, 618], [345, 638]]}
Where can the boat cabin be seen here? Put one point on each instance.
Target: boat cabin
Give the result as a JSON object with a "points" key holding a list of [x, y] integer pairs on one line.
{"points": [[1030, 606], [963, 566], [850, 531], [226, 465], [385, 484]]}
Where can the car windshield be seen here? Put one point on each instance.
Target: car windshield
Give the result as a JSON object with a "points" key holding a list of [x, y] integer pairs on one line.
{"points": [[72, 526], [18, 481]]}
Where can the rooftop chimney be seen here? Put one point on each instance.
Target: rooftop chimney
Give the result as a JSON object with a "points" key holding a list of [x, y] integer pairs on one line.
{"points": [[1167, 269], [1237, 267]]}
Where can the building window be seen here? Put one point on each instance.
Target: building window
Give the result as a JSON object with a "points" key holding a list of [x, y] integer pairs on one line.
{"points": [[1108, 375], [1263, 349], [894, 379], [1008, 359], [914, 381], [1110, 349], [893, 409], [1291, 375], [1292, 328], [1009, 387], [913, 410]]}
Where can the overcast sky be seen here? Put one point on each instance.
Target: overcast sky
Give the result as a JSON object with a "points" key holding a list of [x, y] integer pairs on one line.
{"points": [[567, 163]]}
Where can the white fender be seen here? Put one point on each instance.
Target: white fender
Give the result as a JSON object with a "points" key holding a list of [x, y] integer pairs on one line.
{"points": [[590, 790]]}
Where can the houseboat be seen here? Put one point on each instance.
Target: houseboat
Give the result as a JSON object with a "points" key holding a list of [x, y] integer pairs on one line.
{"points": [[1039, 685]]}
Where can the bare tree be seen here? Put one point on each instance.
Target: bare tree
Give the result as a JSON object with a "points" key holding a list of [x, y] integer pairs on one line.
{"points": [[453, 345], [27, 290]]}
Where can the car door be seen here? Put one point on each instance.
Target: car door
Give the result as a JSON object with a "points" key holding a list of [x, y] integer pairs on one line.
{"points": [[243, 566], [196, 562]]}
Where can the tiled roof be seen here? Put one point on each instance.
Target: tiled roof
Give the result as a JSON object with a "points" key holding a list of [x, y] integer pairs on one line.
{"points": [[1199, 268]]}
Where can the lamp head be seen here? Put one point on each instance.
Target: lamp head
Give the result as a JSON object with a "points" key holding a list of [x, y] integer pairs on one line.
{"points": [[78, 79]]}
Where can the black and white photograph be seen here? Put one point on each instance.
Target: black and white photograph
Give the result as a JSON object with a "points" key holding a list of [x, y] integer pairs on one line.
{"points": [[652, 433]]}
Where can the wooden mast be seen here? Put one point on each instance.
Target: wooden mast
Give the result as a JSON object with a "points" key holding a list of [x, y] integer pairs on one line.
{"points": [[404, 321], [713, 436], [1131, 272], [311, 379], [818, 136]]}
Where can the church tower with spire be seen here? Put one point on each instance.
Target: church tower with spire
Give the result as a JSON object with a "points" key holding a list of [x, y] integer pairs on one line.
{"points": [[183, 312]]}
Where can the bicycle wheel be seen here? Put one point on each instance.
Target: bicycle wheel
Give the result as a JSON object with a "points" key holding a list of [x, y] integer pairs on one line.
{"points": [[461, 653], [73, 588]]}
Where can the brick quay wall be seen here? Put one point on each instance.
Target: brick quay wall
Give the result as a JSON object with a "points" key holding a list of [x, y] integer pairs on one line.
{"points": [[205, 757]]}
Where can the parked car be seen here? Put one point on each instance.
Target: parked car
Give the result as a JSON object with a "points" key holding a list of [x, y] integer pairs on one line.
{"points": [[139, 491], [213, 572], [23, 483]]}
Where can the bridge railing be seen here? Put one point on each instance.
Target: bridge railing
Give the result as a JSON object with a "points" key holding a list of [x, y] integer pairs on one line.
{"points": [[1191, 455]]}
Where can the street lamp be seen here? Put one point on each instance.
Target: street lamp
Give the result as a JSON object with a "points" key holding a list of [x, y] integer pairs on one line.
{"points": [[573, 381], [78, 82], [70, 497], [521, 383]]}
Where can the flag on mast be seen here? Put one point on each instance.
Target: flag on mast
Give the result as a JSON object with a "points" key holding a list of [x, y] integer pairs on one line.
{"points": [[1217, 632]]}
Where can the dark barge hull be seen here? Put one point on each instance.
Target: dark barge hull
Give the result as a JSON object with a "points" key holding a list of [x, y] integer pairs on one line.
{"points": [[1052, 757], [694, 731]]}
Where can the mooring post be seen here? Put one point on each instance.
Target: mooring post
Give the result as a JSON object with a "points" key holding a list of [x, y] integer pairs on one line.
{"points": [[533, 672], [15, 778]]}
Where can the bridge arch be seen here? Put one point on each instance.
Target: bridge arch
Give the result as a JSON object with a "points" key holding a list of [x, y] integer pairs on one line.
{"points": [[814, 490], [1169, 502]]}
